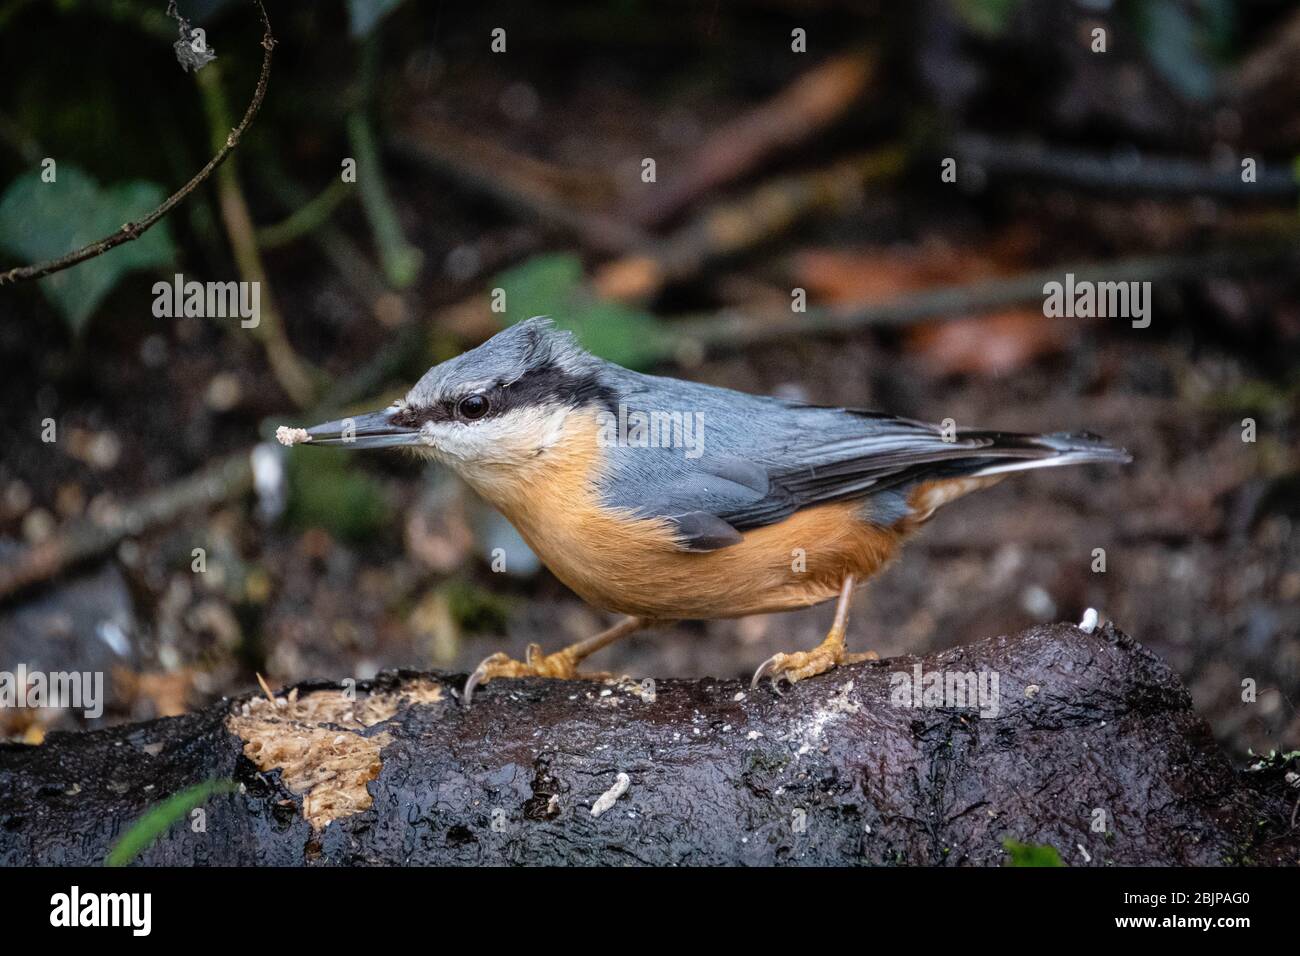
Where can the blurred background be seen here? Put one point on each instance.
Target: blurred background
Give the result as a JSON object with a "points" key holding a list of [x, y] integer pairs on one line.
{"points": [[799, 150]]}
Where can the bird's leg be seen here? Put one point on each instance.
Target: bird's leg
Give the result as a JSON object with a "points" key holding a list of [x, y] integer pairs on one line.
{"points": [[829, 653], [563, 664]]}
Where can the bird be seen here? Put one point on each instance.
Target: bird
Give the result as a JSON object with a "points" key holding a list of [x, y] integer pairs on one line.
{"points": [[663, 500]]}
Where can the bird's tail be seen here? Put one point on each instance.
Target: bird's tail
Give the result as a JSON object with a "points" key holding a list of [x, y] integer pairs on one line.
{"points": [[999, 454], [1008, 452]]}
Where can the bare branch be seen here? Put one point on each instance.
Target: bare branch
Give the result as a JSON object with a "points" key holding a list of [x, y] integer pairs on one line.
{"points": [[133, 230]]}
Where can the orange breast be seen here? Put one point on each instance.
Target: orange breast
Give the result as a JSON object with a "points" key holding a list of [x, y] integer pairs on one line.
{"points": [[633, 566]]}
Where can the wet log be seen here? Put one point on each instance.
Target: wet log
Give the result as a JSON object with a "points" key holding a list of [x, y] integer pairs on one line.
{"points": [[1090, 746]]}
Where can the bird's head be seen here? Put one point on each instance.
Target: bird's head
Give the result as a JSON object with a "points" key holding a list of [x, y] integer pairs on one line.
{"points": [[489, 411]]}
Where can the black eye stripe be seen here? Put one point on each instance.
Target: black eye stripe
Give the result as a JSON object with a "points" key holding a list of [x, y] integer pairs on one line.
{"points": [[551, 383], [541, 385]]}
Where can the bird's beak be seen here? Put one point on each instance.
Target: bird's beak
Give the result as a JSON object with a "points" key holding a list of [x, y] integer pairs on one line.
{"points": [[372, 430]]}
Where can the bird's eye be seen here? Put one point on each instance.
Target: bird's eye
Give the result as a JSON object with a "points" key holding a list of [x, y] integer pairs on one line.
{"points": [[473, 406]]}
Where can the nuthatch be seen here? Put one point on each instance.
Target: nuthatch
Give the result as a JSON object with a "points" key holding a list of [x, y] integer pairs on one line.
{"points": [[667, 500]]}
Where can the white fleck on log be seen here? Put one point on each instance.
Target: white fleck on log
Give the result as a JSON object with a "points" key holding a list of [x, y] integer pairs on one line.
{"points": [[610, 796]]}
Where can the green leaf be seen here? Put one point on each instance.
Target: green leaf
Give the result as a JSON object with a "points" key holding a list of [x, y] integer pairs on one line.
{"points": [[366, 14], [40, 220], [157, 821], [552, 285], [1031, 854]]}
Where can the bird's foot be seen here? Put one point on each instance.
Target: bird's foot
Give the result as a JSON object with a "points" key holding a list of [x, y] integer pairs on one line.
{"points": [[562, 665], [802, 664]]}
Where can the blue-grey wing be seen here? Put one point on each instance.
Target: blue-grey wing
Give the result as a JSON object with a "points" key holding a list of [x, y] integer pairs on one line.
{"points": [[754, 461], [691, 494]]}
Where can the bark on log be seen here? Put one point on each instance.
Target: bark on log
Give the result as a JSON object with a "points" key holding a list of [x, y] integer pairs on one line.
{"points": [[1091, 727]]}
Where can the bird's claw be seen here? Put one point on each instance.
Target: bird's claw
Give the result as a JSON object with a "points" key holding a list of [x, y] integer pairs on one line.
{"points": [[535, 664], [769, 668], [795, 667], [477, 677]]}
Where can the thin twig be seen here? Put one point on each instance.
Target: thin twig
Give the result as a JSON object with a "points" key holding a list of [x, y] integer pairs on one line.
{"points": [[734, 329], [734, 226], [400, 260], [133, 230], [815, 101], [305, 219], [85, 538], [295, 375], [1120, 172]]}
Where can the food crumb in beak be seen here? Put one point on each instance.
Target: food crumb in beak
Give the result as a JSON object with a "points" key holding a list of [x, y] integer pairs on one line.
{"points": [[291, 436]]}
